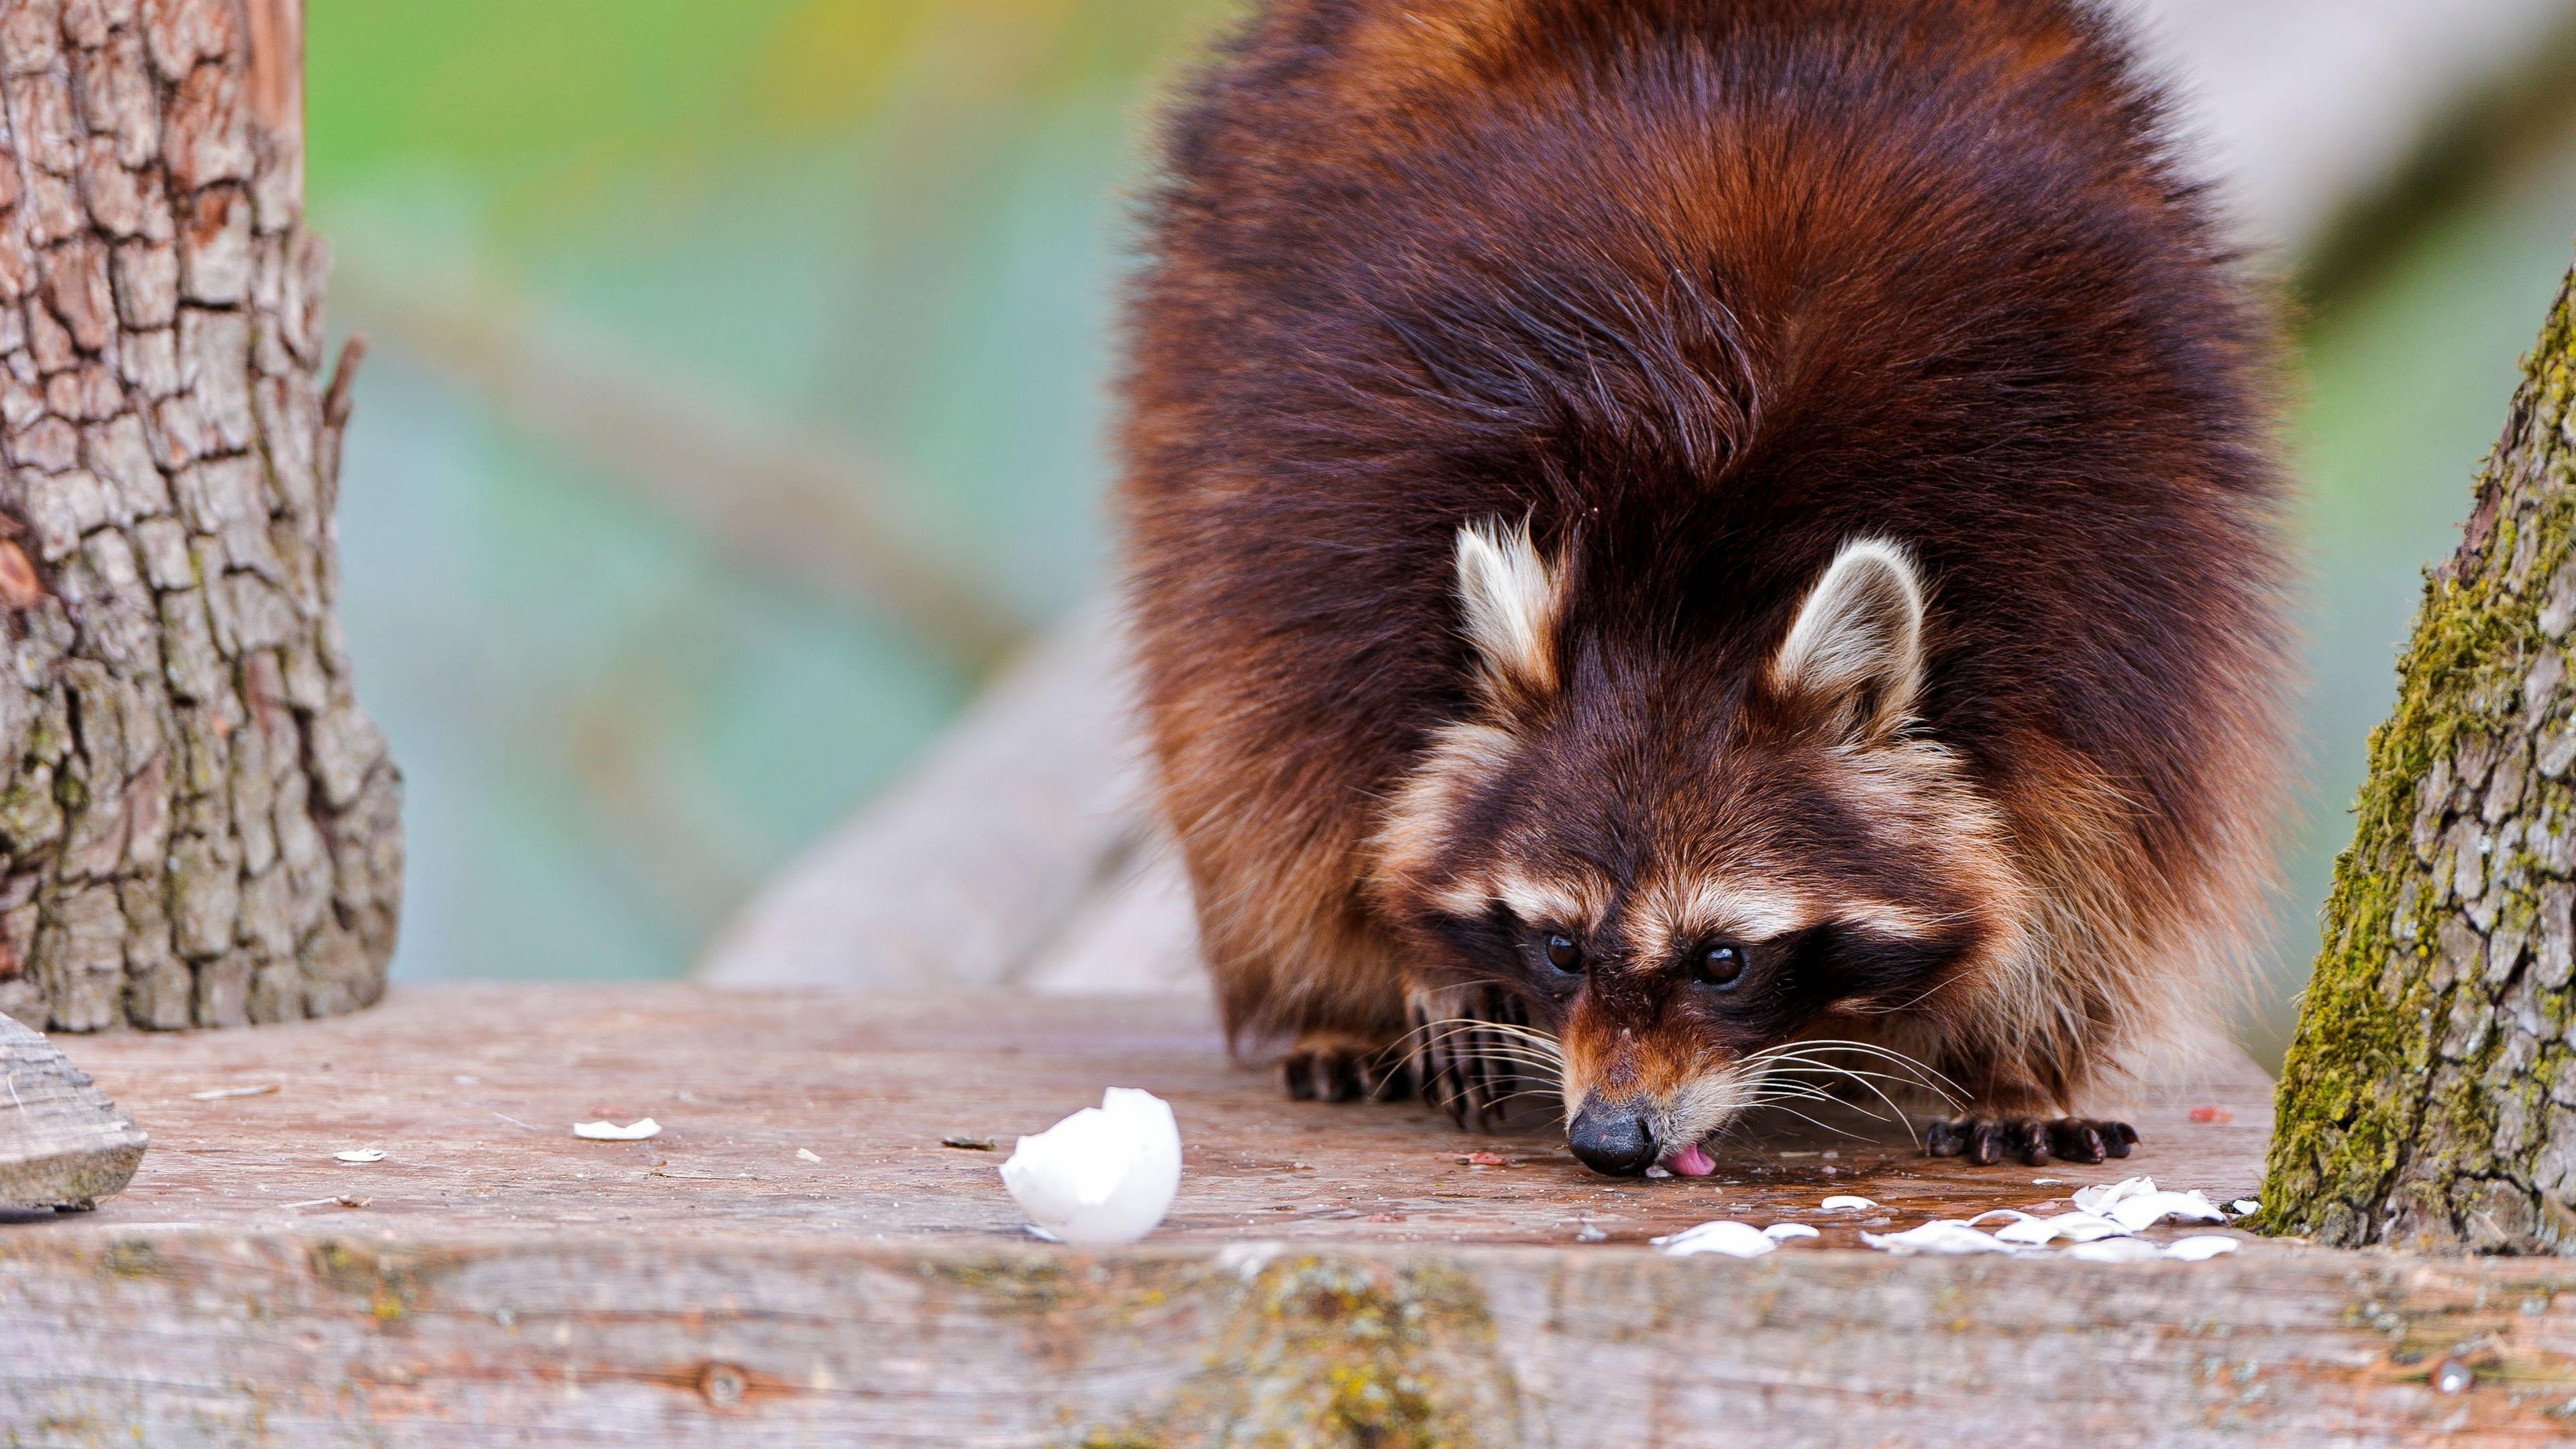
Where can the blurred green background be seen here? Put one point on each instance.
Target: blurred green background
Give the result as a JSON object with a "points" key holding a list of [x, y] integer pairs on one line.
{"points": [[893, 227]]}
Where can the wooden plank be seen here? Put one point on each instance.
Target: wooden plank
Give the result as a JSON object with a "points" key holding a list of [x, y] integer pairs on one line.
{"points": [[62, 1142], [507, 1284], [471, 1092]]}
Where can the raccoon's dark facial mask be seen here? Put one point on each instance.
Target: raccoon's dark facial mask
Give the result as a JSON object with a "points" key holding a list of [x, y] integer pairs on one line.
{"points": [[1683, 895]]}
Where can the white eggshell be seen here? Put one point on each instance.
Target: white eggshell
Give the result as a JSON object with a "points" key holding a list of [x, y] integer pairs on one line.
{"points": [[2116, 1250], [2100, 1197], [2193, 1250], [2144, 1210], [1104, 1175], [1944, 1237], [1735, 1240]]}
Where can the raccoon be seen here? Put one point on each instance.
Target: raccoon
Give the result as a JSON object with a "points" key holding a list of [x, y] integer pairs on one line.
{"points": [[1677, 543]]}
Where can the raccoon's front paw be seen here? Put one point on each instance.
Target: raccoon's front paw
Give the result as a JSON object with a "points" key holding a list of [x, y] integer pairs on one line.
{"points": [[1986, 1141], [1324, 1068]]}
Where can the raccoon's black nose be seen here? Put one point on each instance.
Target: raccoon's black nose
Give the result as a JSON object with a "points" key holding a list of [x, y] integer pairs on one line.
{"points": [[1612, 1139]]}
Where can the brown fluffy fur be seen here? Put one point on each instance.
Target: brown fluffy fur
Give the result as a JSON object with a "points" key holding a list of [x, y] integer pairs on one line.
{"points": [[1698, 293]]}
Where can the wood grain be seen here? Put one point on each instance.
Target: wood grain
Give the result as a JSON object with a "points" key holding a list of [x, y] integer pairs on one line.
{"points": [[1326, 1269], [62, 1143]]}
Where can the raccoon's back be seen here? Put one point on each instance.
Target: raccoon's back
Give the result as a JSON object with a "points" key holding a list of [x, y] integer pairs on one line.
{"points": [[1700, 289]]}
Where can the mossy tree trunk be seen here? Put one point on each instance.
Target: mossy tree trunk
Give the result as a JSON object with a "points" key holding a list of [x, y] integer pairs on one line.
{"points": [[2429, 1098], [198, 825]]}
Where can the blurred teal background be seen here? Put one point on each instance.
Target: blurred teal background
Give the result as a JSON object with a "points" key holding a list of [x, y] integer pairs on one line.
{"points": [[894, 227]]}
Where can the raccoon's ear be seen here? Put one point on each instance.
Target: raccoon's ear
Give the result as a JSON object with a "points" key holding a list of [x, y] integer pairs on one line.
{"points": [[1508, 600], [1856, 649]]}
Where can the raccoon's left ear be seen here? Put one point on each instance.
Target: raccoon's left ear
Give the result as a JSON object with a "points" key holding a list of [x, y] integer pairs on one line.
{"points": [[1856, 650], [1507, 604]]}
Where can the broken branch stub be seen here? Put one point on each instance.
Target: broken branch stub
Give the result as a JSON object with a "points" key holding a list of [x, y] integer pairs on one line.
{"points": [[198, 824], [2429, 1099]]}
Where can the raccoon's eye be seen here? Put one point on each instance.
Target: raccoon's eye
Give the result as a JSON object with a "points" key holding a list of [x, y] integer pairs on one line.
{"points": [[1564, 952], [1719, 965]]}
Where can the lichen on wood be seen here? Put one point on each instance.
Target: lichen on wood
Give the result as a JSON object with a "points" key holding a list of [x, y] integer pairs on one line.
{"points": [[2429, 1098], [198, 824]]}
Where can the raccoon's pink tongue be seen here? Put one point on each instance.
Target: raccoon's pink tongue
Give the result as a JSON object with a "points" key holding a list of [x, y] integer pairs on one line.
{"points": [[1691, 1161]]}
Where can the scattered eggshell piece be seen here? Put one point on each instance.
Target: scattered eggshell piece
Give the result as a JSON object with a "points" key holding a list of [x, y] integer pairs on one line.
{"points": [[1734, 1239], [358, 1155], [2145, 1210], [2116, 1250], [225, 1094], [1946, 1236], [1104, 1175], [2100, 1195], [611, 1132], [1846, 1204], [1783, 1232], [2193, 1250], [2245, 1206], [804, 1154], [2074, 1227]]}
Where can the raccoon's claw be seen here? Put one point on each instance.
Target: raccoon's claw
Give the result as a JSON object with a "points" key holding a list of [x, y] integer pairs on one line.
{"points": [[1466, 1069], [1336, 1071], [2031, 1141]]}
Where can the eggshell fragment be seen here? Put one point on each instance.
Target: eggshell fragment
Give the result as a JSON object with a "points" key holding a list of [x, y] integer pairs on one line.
{"points": [[611, 1132], [2116, 1250], [1783, 1232], [1734, 1239], [358, 1155], [2193, 1250], [2148, 1209], [2075, 1227], [1944, 1237], [2101, 1195], [1104, 1175], [1846, 1204]]}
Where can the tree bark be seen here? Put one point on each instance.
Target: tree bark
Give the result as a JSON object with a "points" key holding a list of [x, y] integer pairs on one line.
{"points": [[2429, 1098], [199, 825]]}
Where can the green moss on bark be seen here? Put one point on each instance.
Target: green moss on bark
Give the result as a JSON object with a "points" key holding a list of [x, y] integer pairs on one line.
{"points": [[2415, 1104]]}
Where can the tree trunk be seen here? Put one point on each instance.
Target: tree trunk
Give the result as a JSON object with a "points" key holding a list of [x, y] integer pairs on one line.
{"points": [[2429, 1099], [199, 825]]}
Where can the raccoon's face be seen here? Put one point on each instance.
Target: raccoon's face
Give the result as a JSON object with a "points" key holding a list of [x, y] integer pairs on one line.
{"points": [[1681, 873]]}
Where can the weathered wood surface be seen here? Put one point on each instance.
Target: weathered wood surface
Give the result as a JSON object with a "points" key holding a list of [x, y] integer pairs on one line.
{"points": [[62, 1143], [1326, 1268], [198, 824], [442, 1080]]}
